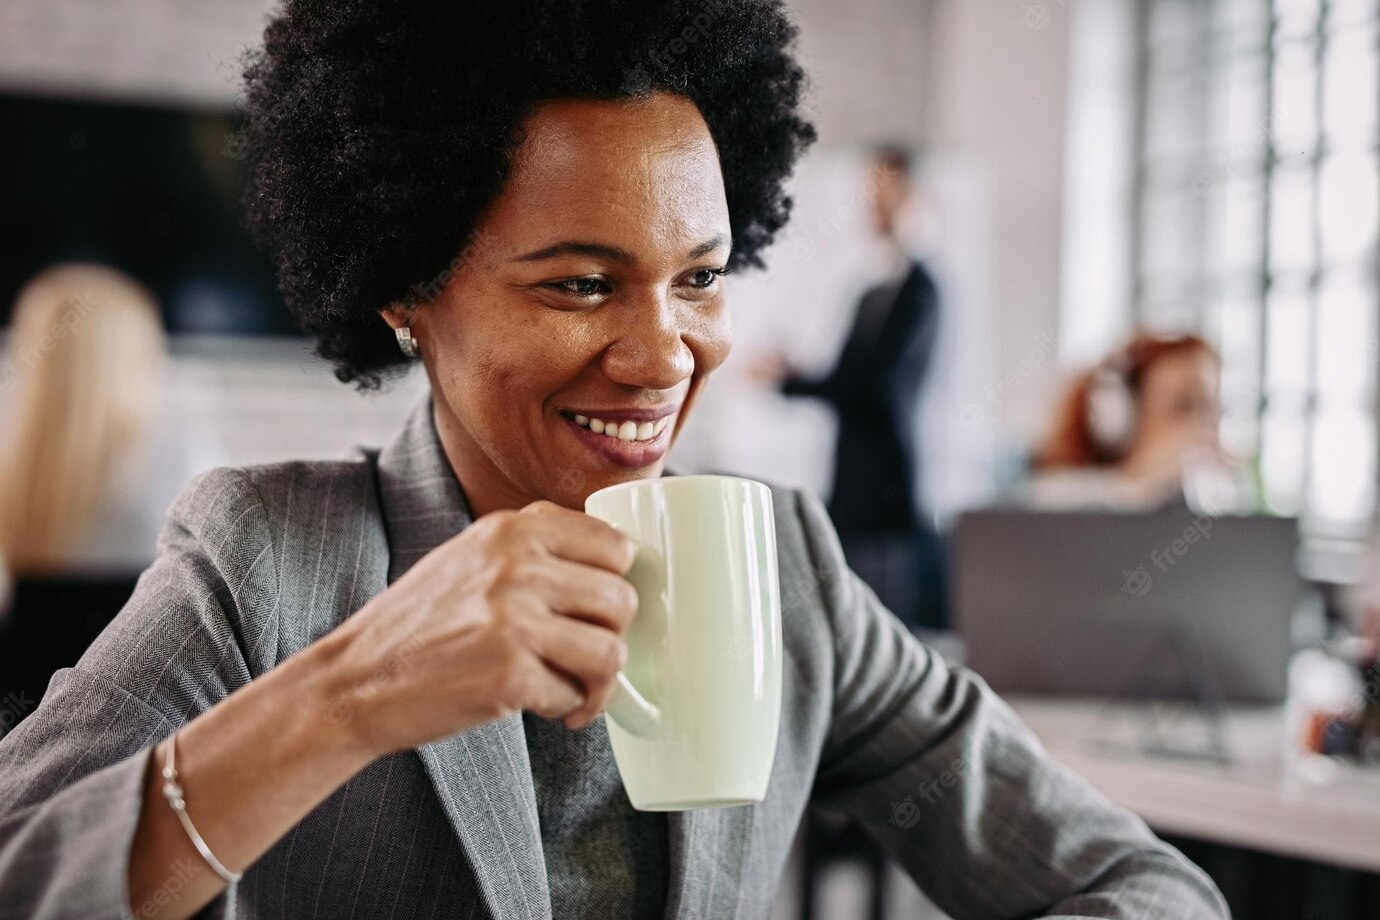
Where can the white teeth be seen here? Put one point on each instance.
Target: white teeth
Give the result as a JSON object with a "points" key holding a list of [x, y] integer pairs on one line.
{"points": [[624, 431]]}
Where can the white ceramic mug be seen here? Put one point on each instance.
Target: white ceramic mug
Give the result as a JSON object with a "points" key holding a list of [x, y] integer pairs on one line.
{"points": [[694, 720]]}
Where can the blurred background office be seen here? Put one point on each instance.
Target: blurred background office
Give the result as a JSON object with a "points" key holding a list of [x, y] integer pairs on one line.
{"points": [[1112, 265]]}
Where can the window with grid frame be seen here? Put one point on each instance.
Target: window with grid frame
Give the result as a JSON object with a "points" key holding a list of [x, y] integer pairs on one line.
{"points": [[1257, 195]]}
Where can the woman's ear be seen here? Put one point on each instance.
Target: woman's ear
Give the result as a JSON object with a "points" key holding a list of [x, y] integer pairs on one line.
{"points": [[399, 317], [396, 315]]}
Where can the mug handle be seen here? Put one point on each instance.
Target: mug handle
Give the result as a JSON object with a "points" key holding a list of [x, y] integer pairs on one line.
{"points": [[631, 710], [628, 707]]}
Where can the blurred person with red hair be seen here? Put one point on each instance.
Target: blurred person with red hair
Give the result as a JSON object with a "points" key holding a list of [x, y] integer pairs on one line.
{"points": [[1139, 431]]}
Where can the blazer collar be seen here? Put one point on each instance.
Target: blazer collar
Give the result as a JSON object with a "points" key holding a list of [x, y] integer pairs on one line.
{"points": [[483, 777]]}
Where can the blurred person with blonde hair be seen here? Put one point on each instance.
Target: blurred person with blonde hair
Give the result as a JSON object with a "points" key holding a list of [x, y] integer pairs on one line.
{"points": [[82, 380], [1139, 431]]}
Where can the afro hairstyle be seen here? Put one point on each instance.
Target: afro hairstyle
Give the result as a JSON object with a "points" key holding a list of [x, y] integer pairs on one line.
{"points": [[377, 132]]}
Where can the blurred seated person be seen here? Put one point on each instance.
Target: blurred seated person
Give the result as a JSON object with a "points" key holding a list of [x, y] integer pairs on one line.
{"points": [[1140, 431], [1364, 602], [875, 388], [87, 466]]}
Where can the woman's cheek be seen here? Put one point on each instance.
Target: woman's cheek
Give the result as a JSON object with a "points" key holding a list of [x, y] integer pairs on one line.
{"points": [[713, 342]]}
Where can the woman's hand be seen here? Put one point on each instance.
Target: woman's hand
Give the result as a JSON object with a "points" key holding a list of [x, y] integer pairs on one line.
{"points": [[521, 610], [1157, 465], [1370, 627]]}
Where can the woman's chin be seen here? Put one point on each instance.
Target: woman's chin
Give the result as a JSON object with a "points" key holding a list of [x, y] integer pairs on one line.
{"points": [[574, 486]]}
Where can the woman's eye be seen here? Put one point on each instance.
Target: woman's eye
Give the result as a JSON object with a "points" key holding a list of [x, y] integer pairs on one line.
{"points": [[582, 287], [706, 277]]}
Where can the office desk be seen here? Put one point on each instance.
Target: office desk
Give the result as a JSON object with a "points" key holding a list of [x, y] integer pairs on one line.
{"points": [[1252, 804]]}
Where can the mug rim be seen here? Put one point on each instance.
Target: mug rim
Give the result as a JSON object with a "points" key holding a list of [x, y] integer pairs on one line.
{"points": [[667, 480]]}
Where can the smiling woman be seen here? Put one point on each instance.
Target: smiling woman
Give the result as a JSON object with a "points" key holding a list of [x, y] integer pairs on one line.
{"points": [[374, 687]]}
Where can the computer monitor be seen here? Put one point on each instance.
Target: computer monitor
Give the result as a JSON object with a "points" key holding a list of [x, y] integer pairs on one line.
{"points": [[1104, 604]]}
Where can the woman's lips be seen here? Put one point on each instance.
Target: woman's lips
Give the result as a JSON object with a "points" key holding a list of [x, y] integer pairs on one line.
{"points": [[632, 454]]}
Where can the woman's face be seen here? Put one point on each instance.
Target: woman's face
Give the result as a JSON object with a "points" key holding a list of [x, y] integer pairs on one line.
{"points": [[591, 291], [1179, 399]]}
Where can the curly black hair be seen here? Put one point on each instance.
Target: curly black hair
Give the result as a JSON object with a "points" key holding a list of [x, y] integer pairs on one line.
{"points": [[377, 132]]}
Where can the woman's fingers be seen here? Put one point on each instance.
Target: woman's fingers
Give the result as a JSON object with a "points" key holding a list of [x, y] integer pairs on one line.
{"points": [[588, 654], [554, 695], [578, 537], [587, 593]]}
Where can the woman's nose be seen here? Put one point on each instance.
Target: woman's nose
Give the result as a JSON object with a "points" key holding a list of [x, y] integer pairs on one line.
{"points": [[649, 351]]}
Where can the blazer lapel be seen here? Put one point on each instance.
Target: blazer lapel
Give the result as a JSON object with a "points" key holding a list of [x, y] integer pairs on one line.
{"points": [[692, 836], [482, 776], [708, 862]]}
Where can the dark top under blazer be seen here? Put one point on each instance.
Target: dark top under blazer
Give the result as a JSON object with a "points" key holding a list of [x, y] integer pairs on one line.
{"points": [[256, 563]]}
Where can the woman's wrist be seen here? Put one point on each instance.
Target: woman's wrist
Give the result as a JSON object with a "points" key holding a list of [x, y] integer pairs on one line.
{"points": [[273, 748], [330, 680], [249, 768]]}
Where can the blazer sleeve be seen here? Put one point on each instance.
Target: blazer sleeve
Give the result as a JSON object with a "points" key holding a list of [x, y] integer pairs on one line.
{"points": [[949, 781], [72, 773]]}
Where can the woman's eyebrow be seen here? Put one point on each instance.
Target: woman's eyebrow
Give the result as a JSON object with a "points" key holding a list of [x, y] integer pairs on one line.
{"points": [[708, 246], [610, 253], [577, 248]]}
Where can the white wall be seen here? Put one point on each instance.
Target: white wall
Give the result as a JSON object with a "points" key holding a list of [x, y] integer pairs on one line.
{"points": [[1001, 80], [1099, 186], [159, 51], [869, 65]]}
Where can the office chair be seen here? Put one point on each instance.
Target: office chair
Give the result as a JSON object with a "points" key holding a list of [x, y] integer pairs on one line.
{"points": [[830, 839]]}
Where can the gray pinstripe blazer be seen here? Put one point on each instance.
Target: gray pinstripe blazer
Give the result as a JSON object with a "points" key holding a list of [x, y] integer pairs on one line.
{"points": [[254, 564]]}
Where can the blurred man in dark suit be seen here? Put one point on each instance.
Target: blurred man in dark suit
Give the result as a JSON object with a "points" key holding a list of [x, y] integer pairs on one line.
{"points": [[875, 388]]}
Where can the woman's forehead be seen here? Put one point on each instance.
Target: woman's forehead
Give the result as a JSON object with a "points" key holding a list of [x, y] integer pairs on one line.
{"points": [[642, 170]]}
